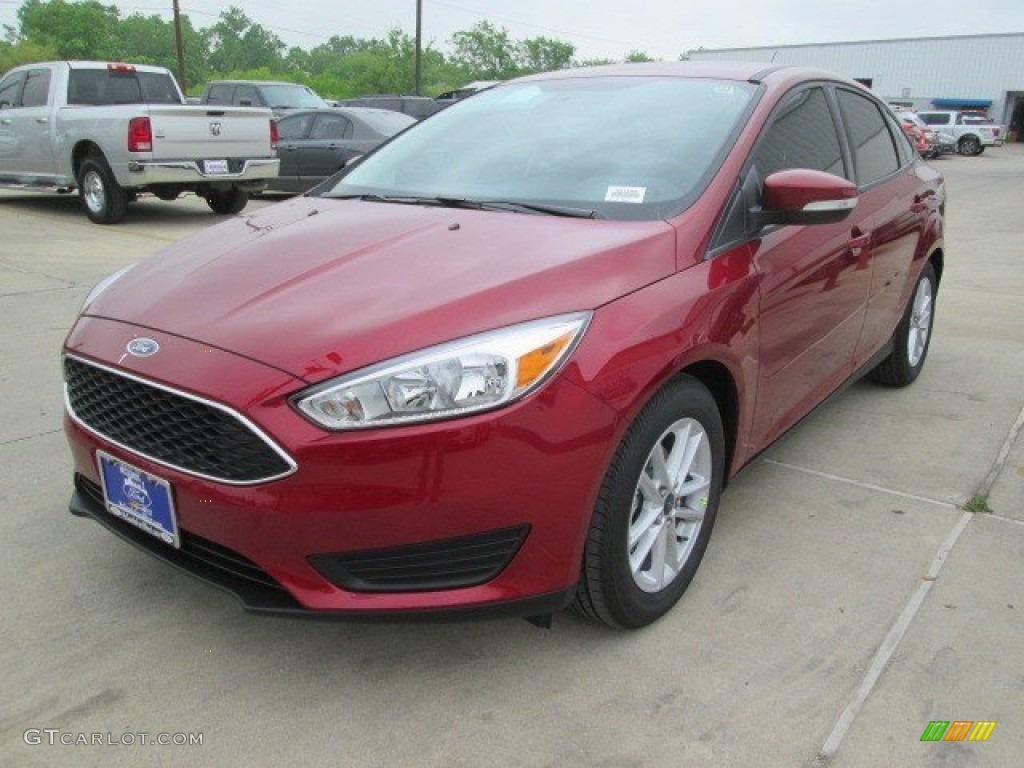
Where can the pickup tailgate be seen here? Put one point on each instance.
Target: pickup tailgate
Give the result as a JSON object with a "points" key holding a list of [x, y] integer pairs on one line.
{"points": [[204, 133]]}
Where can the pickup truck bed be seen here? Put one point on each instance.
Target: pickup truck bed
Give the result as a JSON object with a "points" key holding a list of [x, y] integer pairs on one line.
{"points": [[114, 131]]}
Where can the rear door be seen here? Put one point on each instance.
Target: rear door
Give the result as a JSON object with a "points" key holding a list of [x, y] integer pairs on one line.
{"points": [[292, 131], [814, 280], [329, 146], [891, 205], [26, 132]]}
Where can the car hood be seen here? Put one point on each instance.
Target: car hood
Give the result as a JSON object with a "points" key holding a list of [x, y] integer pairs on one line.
{"points": [[318, 287]]}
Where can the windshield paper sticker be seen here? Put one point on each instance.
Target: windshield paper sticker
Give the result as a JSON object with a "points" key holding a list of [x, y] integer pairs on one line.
{"points": [[625, 194]]}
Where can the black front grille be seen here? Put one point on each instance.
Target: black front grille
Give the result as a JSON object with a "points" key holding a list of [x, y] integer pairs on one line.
{"points": [[168, 427], [448, 564], [195, 552]]}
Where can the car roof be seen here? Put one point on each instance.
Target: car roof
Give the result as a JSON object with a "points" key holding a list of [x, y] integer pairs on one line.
{"points": [[749, 71], [343, 109], [255, 82]]}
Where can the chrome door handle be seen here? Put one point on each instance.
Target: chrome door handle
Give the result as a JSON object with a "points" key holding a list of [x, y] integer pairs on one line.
{"points": [[5, 121], [42, 120]]}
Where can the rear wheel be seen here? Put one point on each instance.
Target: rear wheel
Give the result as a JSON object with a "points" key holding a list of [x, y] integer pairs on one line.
{"points": [[970, 146], [912, 336], [104, 200], [657, 505], [227, 201]]}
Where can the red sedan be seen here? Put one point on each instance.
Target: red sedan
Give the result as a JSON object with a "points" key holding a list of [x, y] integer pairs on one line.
{"points": [[507, 362]]}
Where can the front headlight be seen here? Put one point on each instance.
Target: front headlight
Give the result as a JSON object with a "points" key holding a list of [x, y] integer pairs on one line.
{"points": [[465, 376]]}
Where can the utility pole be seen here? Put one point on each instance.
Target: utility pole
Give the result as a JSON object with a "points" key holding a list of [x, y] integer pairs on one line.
{"points": [[180, 46], [419, 47]]}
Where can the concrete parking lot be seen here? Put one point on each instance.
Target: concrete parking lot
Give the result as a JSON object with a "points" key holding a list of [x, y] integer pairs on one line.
{"points": [[847, 599]]}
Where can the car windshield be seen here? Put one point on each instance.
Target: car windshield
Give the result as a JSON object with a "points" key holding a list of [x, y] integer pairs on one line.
{"points": [[620, 147], [385, 122], [291, 97]]}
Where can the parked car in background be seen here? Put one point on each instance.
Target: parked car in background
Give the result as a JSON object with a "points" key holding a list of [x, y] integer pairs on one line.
{"points": [[924, 138], [418, 107], [508, 361], [117, 130], [314, 144], [277, 96], [970, 135], [448, 97]]}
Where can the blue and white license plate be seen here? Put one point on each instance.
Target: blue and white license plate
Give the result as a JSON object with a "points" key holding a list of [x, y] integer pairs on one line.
{"points": [[139, 498], [215, 167]]}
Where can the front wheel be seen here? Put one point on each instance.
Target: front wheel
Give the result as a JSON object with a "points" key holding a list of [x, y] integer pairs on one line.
{"points": [[655, 511], [105, 201], [912, 336], [227, 201]]}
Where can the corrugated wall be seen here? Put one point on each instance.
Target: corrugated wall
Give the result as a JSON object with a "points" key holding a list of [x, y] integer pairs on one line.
{"points": [[977, 66]]}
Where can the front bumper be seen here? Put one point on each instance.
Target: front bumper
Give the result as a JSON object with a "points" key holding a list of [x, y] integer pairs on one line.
{"points": [[535, 465]]}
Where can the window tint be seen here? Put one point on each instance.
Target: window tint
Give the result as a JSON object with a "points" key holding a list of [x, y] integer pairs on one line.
{"points": [[331, 127], [293, 127], [37, 88], [219, 94], [102, 87], [247, 96], [934, 118], [874, 154], [802, 135], [9, 88]]}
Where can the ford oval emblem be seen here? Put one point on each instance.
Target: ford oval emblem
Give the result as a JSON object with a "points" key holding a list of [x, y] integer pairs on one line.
{"points": [[142, 347]]}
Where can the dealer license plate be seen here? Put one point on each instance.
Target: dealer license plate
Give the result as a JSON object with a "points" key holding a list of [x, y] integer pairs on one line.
{"points": [[139, 498], [215, 167]]}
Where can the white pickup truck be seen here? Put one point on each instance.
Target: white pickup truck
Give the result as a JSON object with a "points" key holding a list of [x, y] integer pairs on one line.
{"points": [[115, 131], [971, 132]]}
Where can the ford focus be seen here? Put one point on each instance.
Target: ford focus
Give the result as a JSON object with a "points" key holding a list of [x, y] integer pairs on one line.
{"points": [[507, 363]]}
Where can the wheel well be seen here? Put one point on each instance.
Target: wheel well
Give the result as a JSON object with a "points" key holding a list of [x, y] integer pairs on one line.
{"points": [[719, 381], [81, 151], [937, 260]]}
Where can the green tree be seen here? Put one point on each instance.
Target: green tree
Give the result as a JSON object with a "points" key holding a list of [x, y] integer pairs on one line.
{"points": [[636, 56], [238, 43], [544, 54], [150, 40], [486, 51], [82, 30], [13, 54]]}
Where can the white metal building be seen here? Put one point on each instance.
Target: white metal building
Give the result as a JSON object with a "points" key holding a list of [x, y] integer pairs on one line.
{"points": [[983, 72]]}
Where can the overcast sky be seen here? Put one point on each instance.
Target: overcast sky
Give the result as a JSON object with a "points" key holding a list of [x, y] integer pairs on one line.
{"points": [[611, 28]]}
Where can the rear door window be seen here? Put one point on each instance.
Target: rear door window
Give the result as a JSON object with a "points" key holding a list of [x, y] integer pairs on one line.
{"points": [[874, 152]]}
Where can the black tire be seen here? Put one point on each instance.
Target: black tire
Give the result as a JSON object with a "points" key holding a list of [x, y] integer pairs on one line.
{"points": [[608, 590], [904, 365], [969, 146], [104, 200], [227, 201]]}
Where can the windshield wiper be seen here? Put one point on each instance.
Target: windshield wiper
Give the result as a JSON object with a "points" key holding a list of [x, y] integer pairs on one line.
{"points": [[520, 207], [477, 205]]}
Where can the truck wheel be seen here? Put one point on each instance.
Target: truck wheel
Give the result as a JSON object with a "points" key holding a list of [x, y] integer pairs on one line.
{"points": [[104, 200], [969, 146], [227, 201]]}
